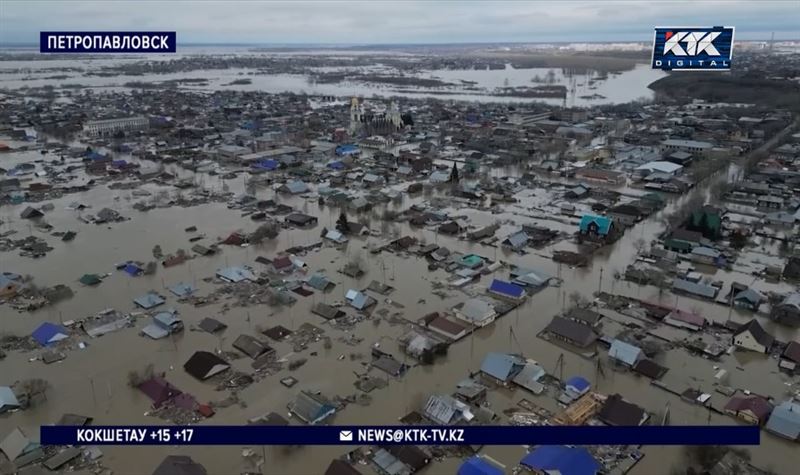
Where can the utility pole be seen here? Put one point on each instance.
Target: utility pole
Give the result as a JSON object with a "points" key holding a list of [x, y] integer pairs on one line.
{"points": [[472, 344], [598, 372], [560, 368], [94, 396], [600, 283]]}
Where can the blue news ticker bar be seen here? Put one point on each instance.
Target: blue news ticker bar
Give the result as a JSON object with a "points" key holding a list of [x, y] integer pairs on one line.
{"points": [[108, 42], [380, 435]]}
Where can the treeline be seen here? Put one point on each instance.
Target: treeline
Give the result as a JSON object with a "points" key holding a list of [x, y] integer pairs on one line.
{"points": [[716, 87]]}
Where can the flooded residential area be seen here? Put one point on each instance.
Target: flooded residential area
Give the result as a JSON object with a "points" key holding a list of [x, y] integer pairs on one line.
{"points": [[456, 235]]}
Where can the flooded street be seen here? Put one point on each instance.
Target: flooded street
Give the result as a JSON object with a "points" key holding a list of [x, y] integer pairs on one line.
{"points": [[534, 232], [94, 381]]}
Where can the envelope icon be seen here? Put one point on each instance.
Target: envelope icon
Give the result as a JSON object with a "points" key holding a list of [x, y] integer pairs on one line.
{"points": [[345, 435]]}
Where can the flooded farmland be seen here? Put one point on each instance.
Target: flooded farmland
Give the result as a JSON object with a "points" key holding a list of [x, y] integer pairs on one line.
{"points": [[480, 84]]}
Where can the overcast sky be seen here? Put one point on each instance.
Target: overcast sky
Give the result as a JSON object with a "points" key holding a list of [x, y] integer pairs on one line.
{"points": [[398, 21]]}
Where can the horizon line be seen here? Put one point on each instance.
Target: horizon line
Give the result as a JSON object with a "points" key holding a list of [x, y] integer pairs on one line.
{"points": [[372, 45]]}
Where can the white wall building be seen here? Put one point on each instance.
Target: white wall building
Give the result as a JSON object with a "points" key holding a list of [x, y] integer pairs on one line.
{"points": [[106, 127]]}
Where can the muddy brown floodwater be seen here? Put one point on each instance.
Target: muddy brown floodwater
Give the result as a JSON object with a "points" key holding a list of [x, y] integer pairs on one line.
{"points": [[94, 381]]}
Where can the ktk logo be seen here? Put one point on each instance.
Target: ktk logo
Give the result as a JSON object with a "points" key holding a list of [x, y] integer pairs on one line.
{"points": [[693, 48], [696, 42]]}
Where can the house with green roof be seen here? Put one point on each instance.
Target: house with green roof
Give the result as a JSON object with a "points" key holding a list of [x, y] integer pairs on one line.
{"points": [[597, 228], [471, 261]]}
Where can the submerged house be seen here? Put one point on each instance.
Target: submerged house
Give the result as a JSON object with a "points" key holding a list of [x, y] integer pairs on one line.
{"points": [[179, 464], [359, 300], [159, 390], [446, 410], [618, 412], [477, 465], [326, 311], [625, 353], [252, 347], [501, 366], [447, 328], [530, 278], [530, 376], [516, 241], [294, 187], [507, 290], [597, 228], [706, 255], [785, 421], [8, 400], [688, 320], [310, 408], [204, 364], [163, 324], [561, 459], [571, 332], [752, 336], [476, 312], [751, 409], [697, 289], [788, 311], [236, 274], [790, 358], [751, 299], [48, 333]]}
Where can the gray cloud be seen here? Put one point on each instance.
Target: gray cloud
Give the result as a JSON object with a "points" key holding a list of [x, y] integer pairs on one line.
{"points": [[354, 22]]}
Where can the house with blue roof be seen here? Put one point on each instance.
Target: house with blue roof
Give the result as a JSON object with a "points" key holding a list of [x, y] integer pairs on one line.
{"points": [[516, 241], [478, 466], [319, 282], [310, 408], [236, 274], [133, 269], [561, 459], [597, 228], [785, 420], [48, 333], [8, 400], [149, 300], [574, 388], [527, 277], [96, 156], [502, 366], [163, 324], [269, 164], [625, 353], [359, 300], [507, 290], [182, 289], [347, 150]]}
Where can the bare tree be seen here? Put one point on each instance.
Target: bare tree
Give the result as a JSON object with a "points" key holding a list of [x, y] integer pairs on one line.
{"points": [[577, 299], [639, 244], [150, 268], [31, 389], [269, 230], [135, 378]]}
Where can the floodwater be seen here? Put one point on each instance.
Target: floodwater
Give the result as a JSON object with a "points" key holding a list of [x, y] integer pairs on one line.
{"points": [[93, 381], [475, 85]]}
